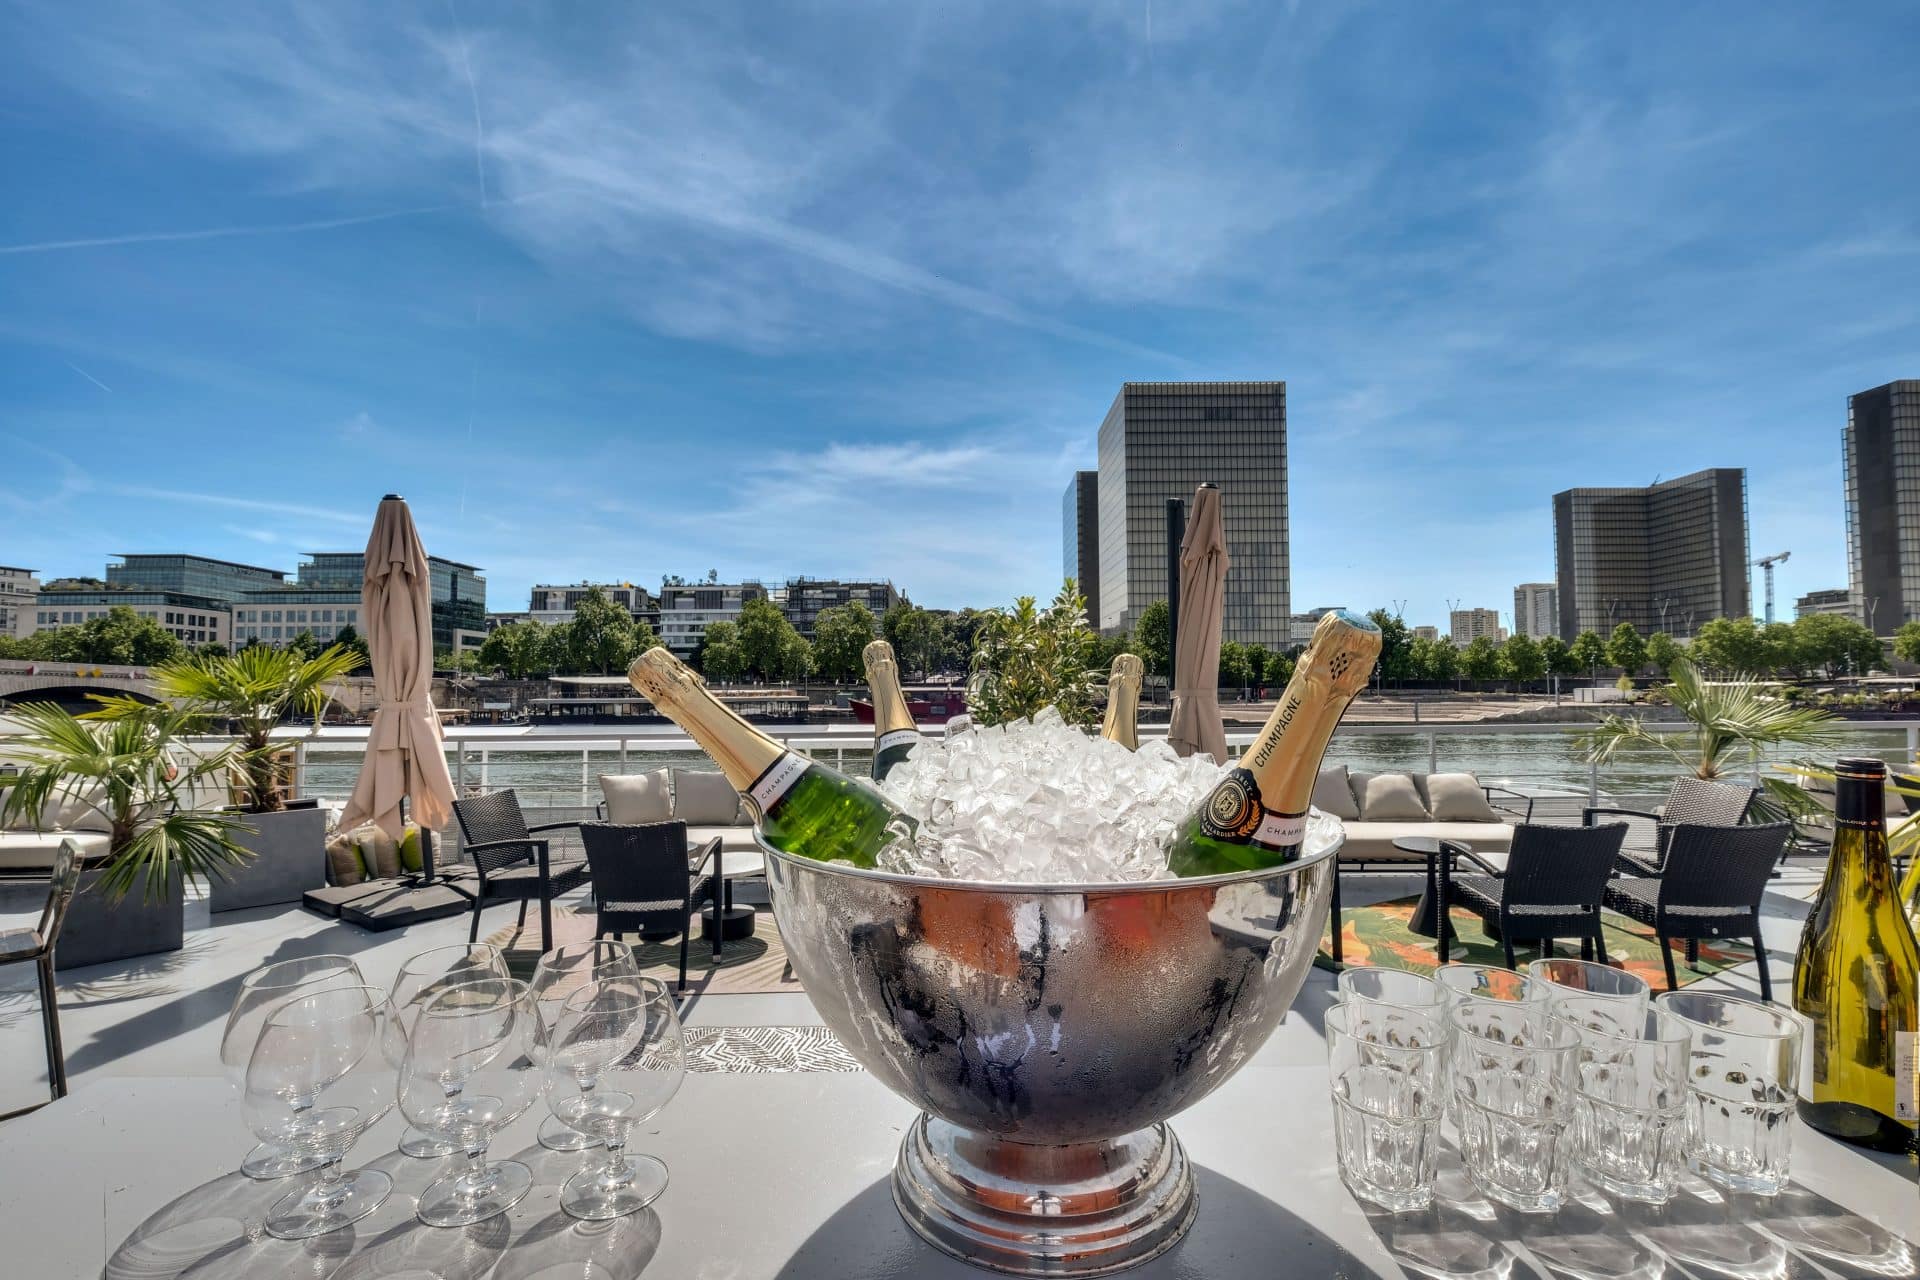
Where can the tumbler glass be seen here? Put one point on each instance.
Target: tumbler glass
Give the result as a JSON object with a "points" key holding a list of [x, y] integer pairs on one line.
{"points": [[1374, 984], [560, 973], [1387, 1066], [1742, 1076], [422, 978], [1488, 982], [1629, 1113], [1563, 979], [1514, 1079], [260, 993]]}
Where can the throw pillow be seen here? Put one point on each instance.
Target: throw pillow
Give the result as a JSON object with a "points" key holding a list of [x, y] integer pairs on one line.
{"points": [[635, 799], [704, 798], [343, 860], [1457, 797], [1332, 794], [379, 852], [1391, 797], [410, 850]]}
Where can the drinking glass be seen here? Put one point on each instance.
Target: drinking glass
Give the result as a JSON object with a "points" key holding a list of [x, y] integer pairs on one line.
{"points": [[472, 1068], [321, 1074], [1629, 1110], [1373, 984], [1566, 978], [420, 980], [1487, 982], [1742, 1075], [261, 992], [618, 1057], [1514, 1077], [1387, 1064], [560, 973]]}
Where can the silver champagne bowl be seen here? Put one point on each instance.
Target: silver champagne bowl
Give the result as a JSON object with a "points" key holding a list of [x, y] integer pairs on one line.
{"points": [[1047, 1032]]}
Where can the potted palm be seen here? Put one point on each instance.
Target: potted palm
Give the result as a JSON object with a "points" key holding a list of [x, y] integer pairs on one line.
{"points": [[132, 777], [247, 694]]}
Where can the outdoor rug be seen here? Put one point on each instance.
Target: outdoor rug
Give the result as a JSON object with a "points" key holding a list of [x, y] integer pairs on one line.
{"points": [[1379, 935], [756, 965], [760, 1050]]}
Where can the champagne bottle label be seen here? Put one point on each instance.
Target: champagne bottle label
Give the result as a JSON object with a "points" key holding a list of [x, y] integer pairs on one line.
{"points": [[898, 738], [779, 778], [1235, 812]]}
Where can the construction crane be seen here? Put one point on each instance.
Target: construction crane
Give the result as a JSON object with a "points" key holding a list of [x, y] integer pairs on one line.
{"points": [[1766, 564]]}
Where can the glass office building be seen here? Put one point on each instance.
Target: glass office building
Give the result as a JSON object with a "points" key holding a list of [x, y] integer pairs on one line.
{"points": [[1080, 536], [459, 592], [1880, 451], [191, 575], [1668, 557], [1162, 440]]}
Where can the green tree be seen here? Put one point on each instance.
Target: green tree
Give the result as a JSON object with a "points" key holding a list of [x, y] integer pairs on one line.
{"points": [[1906, 642], [919, 639], [721, 657], [461, 661], [1781, 650], [1626, 649], [1396, 648], [1558, 657], [840, 635], [1028, 659], [604, 638], [1279, 670], [1480, 660], [1588, 651], [1729, 646], [1521, 657], [211, 649], [518, 650], [120, 637], [1840, 645], [306, 644], [556, 649], [1662, 649], [350, 639], [765, 639], [1153, 639], [1235, 671]]}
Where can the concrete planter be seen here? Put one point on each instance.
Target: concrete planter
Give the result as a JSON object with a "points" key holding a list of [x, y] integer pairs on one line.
{"points": [[289, 858], [99, 929]]}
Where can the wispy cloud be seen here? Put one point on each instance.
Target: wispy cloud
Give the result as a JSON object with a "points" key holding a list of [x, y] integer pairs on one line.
{"points": [[220, 233], [89, 377], [227, 501]]}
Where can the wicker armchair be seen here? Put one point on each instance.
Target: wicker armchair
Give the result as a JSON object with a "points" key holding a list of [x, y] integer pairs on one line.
{"points": [[1552, 887], [644, 882], [1696, 801], [1711, 888], [511, 861]]}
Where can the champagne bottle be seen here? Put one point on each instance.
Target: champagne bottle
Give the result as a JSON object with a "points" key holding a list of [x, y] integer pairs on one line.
{"points": [[1857, 977], [894, 733], [802, 806], [1257, 815], [1123, 702]]}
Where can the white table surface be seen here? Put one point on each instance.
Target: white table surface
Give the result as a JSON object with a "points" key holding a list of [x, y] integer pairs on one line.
{"points": [[785, 1175]]}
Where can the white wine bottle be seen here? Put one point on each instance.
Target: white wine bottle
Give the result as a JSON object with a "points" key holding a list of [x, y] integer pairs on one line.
{"points": [[802, 806], [1857, 978], [894, 733], [1257, 815], [1121, 723]]}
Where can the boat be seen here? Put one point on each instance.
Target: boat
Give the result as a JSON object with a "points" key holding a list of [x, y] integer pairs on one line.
{"points": [[929, 703]]}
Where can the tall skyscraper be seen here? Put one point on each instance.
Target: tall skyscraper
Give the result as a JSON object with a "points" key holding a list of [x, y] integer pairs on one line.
{"points": [[1467, 625], [1881, 455], [1080, 538], [1668, 557], [1162, 440], [1536, 610]]}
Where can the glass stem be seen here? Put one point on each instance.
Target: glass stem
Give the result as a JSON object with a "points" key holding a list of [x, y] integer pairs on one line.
{"points": [[330, 1188], [616, 1172], [476, 1178]]}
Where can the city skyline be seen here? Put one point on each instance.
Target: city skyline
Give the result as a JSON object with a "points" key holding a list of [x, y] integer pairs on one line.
{"points": [[734, 289]]}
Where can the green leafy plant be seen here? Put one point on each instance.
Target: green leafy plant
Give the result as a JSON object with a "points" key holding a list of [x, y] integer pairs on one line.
{"points": [[1026, 659], [132, 773], [251, 692]]}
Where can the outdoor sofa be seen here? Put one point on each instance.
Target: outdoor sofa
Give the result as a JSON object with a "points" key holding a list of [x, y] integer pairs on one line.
{"points": [[1378, 808], [701, 798]]}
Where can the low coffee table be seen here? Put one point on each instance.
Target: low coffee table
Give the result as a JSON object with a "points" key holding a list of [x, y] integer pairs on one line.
{"points": [[734, 923], [1424, 922]]}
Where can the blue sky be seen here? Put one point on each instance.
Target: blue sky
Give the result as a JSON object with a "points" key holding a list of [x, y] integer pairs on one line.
{"points": [[618, 290]]}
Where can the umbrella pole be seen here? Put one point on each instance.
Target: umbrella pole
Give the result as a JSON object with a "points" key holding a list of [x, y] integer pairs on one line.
{"points": [[427, 878], [1176, 535]]}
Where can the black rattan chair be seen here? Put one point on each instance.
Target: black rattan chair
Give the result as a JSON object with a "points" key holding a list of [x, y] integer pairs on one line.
{"points": [[1711, 888], [1552, 887], [511, 860], [644, 882], [18, 946], [1695, 801]]}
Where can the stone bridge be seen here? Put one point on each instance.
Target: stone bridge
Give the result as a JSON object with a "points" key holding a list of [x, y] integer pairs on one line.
{"points": [[69, 683]]}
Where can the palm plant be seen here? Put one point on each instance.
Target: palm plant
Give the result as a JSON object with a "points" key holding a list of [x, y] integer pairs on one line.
{"points": [[1028, 658], [251, 691], [1734, 721], [129, 773]]}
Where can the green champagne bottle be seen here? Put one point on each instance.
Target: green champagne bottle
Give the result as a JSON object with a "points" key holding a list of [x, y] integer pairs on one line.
{"points": [[1857, 978], [802, 806], [1122, 721], [1257, 815], [894, 733]]}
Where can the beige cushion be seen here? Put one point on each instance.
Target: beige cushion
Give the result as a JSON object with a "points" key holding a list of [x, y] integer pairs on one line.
{"points": [[1332, 794], [35, 851], [343, 860], [732, 839], [634, 799], [703, 798], [1391, 797], [1373, 841], [1457, 797], [379, 852]]}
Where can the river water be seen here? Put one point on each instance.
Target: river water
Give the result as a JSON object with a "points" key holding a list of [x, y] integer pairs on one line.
{"points": [[1539, 763]]}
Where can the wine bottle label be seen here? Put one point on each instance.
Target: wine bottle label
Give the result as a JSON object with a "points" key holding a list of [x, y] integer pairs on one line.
{"points": [[1235, 812], [1281, 830], [898, 738], [1906, 1076], [779, 778]]}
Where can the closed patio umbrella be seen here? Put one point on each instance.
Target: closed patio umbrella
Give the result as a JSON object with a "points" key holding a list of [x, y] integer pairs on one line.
{"points": [[1195, 724], [405, 758]]}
